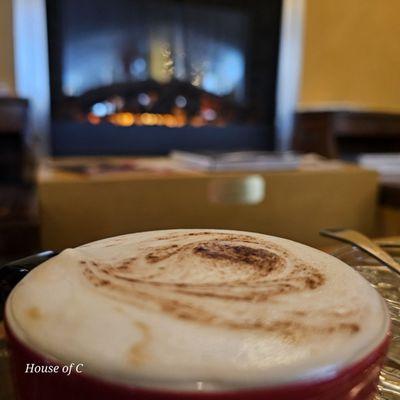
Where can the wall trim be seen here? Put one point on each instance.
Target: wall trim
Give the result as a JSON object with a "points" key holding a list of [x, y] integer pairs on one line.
{"points": [[290, 69], [31, 66]]}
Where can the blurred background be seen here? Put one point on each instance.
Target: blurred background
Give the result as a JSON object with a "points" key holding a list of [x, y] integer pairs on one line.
{"points": [[281, 117]]}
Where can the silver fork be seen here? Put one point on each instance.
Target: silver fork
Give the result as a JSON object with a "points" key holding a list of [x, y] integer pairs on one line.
{"points": [[363, 243]]}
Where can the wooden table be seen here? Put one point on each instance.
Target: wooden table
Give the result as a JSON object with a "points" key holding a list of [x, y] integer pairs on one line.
{"points": [[78, 208]]}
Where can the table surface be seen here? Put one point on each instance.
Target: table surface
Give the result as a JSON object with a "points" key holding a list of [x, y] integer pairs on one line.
{"points": [[77, 169]]}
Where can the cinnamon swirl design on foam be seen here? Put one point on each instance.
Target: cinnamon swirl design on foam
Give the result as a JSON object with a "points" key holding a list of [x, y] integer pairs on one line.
{"points": [[197, 276], [171, 308]]}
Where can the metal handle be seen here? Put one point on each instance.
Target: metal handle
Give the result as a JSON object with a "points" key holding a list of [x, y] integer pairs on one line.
{"points": [[363, 243], [13, 272]]}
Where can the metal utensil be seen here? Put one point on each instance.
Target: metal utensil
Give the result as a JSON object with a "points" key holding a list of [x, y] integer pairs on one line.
{"points": [[363, 243]]}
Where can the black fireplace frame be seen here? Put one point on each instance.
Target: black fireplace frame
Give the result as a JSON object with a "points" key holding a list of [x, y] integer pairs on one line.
{"points": [[78, 139]]}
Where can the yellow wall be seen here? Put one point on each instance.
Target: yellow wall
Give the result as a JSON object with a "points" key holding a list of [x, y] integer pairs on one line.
{"points": [[352, 53], [6, 44]]}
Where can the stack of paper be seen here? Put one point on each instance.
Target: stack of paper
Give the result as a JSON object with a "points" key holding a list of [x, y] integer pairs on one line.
{"points": [[237, 161], [387, 164]]}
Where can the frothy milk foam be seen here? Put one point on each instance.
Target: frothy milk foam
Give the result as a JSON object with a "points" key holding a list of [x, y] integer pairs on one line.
{"points": [[210, 309]]}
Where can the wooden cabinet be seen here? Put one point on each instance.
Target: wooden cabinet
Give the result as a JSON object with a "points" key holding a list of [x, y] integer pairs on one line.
{"points": [[14, 153], [18, 206], [345, 134]]}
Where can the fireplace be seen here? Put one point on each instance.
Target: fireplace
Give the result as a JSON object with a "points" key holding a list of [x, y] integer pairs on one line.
{"points": [[149, 76]]}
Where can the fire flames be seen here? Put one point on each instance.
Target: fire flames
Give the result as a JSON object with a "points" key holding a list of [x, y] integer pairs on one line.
{"points": [[126, 119], [149, 109]]}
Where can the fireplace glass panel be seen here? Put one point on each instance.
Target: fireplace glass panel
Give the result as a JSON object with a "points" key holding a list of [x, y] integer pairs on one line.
{"points": [[152, 67]]}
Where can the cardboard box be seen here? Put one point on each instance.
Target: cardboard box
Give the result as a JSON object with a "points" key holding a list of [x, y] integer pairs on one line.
{"points": [[77, 208]]}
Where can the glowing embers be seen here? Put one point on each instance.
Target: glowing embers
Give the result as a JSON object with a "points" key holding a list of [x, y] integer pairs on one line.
{"points": [[179, 117], [140, 119], [172, 108], [145, 119]]}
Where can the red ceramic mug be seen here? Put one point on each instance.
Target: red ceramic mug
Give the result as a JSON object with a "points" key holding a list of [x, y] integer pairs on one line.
{"points": [[357, 381]]}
